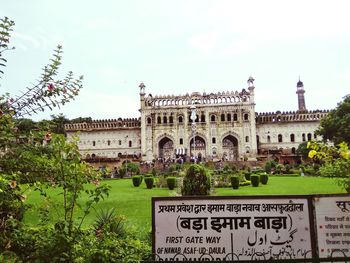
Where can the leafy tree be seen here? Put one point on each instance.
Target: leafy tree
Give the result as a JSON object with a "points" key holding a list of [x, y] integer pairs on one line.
{"points": [[57, 123], [129, 168], [303, 150], [336, 125], [81, 119]]}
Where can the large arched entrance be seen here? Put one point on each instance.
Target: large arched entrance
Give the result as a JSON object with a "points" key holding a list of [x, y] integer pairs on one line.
{"points": [[230, 148], [197, 149], [166, 148]]}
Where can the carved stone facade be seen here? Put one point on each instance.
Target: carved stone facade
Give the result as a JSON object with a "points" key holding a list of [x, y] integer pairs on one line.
{"points": [[222, 126]]}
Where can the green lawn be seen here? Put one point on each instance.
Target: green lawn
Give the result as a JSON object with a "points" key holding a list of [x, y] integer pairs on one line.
{"points": [[135, 202]]}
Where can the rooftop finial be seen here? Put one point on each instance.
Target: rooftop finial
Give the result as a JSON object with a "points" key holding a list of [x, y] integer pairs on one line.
{"points": [[250, 81], [142, 88], [300, 83]]}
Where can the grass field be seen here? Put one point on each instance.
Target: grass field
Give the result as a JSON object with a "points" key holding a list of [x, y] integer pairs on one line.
{"points": [[135, 202]]}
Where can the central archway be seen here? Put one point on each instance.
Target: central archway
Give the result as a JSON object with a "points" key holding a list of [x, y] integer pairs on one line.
{"points": [[166, 148], [197, 148], [230, 148]]}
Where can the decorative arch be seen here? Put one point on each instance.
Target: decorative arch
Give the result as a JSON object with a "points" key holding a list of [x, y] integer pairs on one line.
{"points": [[230, 144], [198, 146], [165, 144]]}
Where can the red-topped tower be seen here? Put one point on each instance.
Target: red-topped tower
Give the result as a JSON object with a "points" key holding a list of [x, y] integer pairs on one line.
{"points": [[301, 98]]}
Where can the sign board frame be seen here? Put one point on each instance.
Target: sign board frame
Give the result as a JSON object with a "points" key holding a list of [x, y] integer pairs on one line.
{"points": [[228, 201]]}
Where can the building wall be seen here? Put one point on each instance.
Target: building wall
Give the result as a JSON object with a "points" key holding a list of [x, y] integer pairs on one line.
{"points": [[286, 131], [107, 138], [226, 127]]}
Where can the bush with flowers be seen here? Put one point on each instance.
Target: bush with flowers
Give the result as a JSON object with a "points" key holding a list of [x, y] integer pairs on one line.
{"points": [[335, 161]]}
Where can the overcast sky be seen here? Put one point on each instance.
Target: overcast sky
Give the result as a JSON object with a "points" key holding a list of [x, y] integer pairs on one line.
{"points": [[183, 46]]}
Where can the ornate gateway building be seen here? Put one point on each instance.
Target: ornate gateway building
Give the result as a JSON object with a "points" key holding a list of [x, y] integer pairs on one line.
{"points": [[200, 126]]}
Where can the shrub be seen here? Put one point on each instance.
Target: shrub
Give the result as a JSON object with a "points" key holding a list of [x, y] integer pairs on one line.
{"points": [[264, 178], [309, 171], [196, 181], [255, 179], [287, 168], [161, 182], [210, 165], [279, 168], [182, 174], [107, 221], [171, 182], [235, 181], [136, 180], [154, 171], [247, 175], [227, 167], [269, 165], [149, 182], [257, 170]]}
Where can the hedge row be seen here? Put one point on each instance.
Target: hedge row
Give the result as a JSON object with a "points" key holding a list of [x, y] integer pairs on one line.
{"points": [[149, 181]]}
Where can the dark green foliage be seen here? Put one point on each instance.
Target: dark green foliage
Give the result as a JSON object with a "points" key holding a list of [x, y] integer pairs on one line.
{"points": [[264, 178], [154, 172], [303, 150], [149, 181], [107, 221], [131, 168], [279, 168], [196, 181], [336, 125], [255, 180], [136, 180], [210, 165], [57, 123], [174, 167], [161, 182], [171, 182], [46, 244], [269, 166], [227, 168], [287, 169], [235, 181], [247, 175], [257, 170]]}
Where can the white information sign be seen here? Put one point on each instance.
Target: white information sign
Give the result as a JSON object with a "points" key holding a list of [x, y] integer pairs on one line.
{"points": [[231, 229], [333, 226]]}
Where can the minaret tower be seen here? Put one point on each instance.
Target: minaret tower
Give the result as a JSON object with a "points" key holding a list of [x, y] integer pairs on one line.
{"points": [[251, 88], [142, 94], [301, 98]]}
